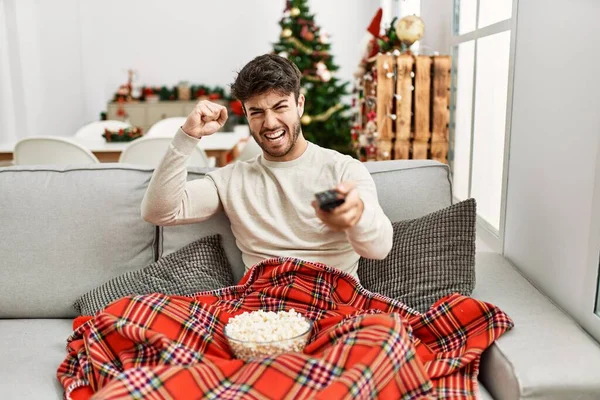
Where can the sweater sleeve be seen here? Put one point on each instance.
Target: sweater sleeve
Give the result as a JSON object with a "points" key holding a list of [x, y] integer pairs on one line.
{"points": [[170, 199], [372, 236]]}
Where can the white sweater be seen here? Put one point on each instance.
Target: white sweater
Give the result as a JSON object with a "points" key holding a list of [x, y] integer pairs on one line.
{"points": [[269, 205]]}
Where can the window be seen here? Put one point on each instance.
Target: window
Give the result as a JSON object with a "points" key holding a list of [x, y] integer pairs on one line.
{"points": [[482, 48], [597, 310]]}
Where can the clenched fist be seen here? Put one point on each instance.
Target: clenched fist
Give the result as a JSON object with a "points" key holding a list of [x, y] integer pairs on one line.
{"points": [[205, 119]]}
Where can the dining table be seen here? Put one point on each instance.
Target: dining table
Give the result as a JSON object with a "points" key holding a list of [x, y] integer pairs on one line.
{"points": [[221, 145]]}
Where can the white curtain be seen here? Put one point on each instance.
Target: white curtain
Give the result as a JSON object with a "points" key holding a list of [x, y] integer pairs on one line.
{"points": [[19, 70], [7, 114]]}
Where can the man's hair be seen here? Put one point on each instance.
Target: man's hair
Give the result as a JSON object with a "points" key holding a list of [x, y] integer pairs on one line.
{"points": [[266, 73]]}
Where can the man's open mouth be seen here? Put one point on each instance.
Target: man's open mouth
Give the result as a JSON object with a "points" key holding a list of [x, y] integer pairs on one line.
{"points": [[275, 135]]}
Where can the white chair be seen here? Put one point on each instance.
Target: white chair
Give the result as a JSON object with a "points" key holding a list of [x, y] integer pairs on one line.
{"points": [[250, 150], [165, 127], [149, 151], [94, 130], [51, 150]]}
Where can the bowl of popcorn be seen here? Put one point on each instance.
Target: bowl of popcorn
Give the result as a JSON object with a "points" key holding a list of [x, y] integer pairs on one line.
{"points": [[267, 333]]}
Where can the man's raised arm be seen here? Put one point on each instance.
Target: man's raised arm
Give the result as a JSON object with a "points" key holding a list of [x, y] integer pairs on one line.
{"points": [[170, 199]]}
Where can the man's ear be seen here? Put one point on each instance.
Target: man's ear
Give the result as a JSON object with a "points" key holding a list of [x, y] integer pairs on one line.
{"points": [[301, 104]]}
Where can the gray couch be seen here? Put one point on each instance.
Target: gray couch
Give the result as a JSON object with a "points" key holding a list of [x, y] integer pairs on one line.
{"points": [[64, 231]]}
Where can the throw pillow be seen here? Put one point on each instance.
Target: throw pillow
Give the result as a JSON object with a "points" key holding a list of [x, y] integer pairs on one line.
{"points": [[201, 265], [431, 257]]}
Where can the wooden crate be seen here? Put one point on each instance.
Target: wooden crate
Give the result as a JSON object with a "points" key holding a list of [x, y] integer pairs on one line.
{"points": [[412, 95], [441, 108], [403, 98], [385, 95]]}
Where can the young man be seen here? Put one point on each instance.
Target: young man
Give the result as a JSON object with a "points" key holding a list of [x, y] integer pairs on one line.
{"points": [[270, 199]]}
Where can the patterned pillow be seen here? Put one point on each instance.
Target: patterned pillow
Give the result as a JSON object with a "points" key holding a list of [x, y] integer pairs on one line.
{"points": [[201, 265], [431, 257]]}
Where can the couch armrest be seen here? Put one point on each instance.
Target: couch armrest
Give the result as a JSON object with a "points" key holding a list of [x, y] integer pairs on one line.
{"points": [[547, 355]]}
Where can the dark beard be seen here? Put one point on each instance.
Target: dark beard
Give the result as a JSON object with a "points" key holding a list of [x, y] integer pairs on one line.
{"points": [[295, 134]]}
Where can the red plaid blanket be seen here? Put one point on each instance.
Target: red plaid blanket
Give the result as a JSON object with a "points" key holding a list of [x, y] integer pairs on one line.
{"points": [[363, 345]]}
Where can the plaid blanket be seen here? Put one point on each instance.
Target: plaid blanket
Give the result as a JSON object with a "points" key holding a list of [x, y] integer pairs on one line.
{"points": [[363, 345]]}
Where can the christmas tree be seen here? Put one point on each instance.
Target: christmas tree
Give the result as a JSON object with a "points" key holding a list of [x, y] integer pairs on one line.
{"points": [[325, 121]]}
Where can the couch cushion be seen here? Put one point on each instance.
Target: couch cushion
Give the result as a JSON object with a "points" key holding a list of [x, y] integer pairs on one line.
{"points": [[411, 188], [482, 393], [546, 355], [197, 267], [31, 351], [431, 257], [406, 189], [175, 237], [66, 230]]}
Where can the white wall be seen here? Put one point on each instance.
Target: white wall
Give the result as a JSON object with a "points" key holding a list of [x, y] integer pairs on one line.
{"points": [[74, 54], [554, 152], [437, 15]]}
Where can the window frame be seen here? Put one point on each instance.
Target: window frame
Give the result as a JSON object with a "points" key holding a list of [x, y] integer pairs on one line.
{"points": [[493, 237], [591, 295]]}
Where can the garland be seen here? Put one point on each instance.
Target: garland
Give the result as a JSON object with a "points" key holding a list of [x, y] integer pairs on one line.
{"points": [[307, 119], [312, 78], [300, 46]]}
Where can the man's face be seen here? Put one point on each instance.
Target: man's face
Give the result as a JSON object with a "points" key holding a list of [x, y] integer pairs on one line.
{"points": [[274, 121]]}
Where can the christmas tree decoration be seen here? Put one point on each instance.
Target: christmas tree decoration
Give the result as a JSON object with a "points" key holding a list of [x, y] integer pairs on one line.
{"points": [[300, 46], [307, 119], [410, 29], [326, 121], [123, 134], [323, 72], [236, 113], [401, 34], [307, 34]]}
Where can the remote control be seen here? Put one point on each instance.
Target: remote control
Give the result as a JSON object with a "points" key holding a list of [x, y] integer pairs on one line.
{"points": [[329, 199]]}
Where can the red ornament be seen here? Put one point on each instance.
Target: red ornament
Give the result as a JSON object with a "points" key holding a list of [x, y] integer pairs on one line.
{"points": [[372, 47], [371, 115], [306, 34], [237, 108]]}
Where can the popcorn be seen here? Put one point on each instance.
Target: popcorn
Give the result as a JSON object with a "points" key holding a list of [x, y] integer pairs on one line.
{"points": [[267, 333]]}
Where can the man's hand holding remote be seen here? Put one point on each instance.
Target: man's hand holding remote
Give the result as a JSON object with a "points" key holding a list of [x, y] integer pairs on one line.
{"points": [[347, 214]]}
